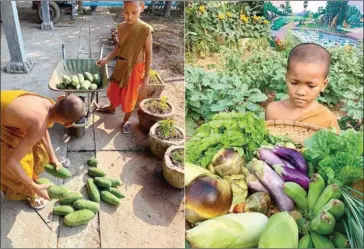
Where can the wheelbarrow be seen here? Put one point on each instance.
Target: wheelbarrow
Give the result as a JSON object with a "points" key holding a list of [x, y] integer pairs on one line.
{"points": [[72, 67]]}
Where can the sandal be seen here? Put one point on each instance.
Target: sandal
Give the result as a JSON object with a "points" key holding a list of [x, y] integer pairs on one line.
{"points": [[36, 202], [64, 161], [126, 129], [103, 108]]}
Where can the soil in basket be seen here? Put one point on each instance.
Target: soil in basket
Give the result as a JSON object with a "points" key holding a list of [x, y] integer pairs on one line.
{"points": [[154, 107], [177, 158], [178, 136]]}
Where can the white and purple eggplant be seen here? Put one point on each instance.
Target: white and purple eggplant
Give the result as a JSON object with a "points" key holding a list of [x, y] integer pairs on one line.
{"points": [[269, 157], [292, 175], [293, 156], [254, 184], [272, 182]]}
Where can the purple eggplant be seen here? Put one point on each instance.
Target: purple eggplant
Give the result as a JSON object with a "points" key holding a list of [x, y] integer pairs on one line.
{"points": [[269, 157], [293, 156], [288, 164], [292, 175], [272, 182], [254, 184]]}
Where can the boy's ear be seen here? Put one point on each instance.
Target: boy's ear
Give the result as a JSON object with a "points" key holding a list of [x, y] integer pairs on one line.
{"points": [[326, 82]]}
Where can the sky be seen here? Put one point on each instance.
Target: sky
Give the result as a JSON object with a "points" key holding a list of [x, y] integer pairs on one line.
{"points": [[297, 6]]}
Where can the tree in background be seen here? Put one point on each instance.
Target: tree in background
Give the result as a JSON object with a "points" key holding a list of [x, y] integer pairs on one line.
{"points": [[288, 8], [354, 15], [336, 12], [305, 4]]}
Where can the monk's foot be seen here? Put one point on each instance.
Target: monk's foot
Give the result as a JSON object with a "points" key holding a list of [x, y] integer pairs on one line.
{"points": [[37, 202], [126, 128], [103, 108]]}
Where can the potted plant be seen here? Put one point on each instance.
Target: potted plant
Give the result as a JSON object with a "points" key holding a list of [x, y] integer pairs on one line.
{"points": [[151, 110], [156, 85], [173, 166], [164, 134]]}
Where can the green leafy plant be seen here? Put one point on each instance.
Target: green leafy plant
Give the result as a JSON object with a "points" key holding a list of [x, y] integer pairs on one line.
{"points": [[177, 156], [168, 128], [208, 93], [159, 105]]}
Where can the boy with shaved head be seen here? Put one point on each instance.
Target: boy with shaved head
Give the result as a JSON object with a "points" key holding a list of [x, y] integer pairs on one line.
{"points": [[306, 77], [134, 59], [25, 142]]}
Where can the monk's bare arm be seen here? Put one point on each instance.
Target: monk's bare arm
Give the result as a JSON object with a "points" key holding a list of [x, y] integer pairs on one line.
{"points": [[46, 140], [34, 135], [148, 57]]}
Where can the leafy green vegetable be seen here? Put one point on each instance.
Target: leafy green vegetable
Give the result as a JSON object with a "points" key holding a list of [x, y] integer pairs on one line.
{"points": [[244, 133], [337, 158]]}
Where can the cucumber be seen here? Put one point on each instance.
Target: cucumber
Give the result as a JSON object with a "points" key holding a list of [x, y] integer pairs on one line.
{"points": [[80, 217], [62, 173], [109, 198], [66, 79], [92, 190], [116, 192], [114, 181], [86, 85], [81, 79], [96, 172], [97, 79], [93, 162], [63, 210], [88, 77], [72, 197], [102, 183], [85, 204], [58, 192], [61, 86], [44, 181], [93, 86], [75, 80]]}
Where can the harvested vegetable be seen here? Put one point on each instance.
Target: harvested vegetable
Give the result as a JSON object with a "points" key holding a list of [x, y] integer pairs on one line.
{"points": [[207, 196], [258, 202], [228, 231], [254, 183], [292, 156], [226, 162], [280, 224], [238, 186], [192, 171], [269, 157], [292, 175], [272, 182]]}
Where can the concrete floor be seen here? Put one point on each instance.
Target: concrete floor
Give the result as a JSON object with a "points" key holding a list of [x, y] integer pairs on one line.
{"points": [[151, 214]]}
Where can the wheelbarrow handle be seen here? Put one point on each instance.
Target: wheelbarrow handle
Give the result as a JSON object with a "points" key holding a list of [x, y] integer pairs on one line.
{"points": [[101, 51]]}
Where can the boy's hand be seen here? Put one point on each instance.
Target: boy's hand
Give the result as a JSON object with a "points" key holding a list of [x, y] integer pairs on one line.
{"points": [[101, 62], [145, 81]]}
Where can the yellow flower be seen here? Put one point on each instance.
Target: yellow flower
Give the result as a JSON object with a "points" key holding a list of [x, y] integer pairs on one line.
{"points": [[244, 18], [348, 47], [221, 16], [202, 9], [266, 22], [228, 14], [255, 18]]}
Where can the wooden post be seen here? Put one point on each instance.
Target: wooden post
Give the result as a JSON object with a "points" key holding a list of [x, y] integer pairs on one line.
{"points": [[10, 19], [47, 23]]}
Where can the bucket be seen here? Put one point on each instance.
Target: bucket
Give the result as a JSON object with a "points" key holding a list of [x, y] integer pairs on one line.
{"points": [[79, 128]]}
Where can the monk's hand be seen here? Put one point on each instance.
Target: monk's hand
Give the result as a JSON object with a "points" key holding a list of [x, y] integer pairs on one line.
{"points": [[145, 81], [41, 190], [101, 62]]}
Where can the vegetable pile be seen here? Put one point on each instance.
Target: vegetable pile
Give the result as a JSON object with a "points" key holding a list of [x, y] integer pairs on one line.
{"points": [[85, 81], [236, 171], [76, 210]]}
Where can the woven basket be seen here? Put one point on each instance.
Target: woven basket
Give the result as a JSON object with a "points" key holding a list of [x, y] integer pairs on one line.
{"points": [[298, 132]]}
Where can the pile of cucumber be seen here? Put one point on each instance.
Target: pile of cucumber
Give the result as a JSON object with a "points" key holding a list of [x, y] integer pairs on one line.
{"points": [[72, 205], [85, 81]]}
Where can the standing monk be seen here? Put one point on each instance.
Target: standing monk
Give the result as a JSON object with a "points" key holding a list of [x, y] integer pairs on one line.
{"points": [[25, 142], [134, 59]]}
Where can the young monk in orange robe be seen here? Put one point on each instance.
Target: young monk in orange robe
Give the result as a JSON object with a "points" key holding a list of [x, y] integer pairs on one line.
{"points": [[306, 77], [134, 59], [25, 142]]}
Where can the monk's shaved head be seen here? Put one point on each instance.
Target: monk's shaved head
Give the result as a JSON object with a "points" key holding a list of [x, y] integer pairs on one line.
{"points": [[71, 108], [140, 3], [310, 53]]}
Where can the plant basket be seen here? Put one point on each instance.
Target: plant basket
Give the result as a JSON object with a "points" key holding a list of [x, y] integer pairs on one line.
{"points": [[298, 132], [159, 146], [147, 119], [173, 174]]}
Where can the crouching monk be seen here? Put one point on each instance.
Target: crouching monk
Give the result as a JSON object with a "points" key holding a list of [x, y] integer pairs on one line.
{"points": [[25, 142]]}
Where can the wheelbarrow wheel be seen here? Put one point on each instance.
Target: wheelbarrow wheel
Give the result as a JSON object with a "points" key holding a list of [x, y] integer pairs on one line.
{"points": [[54, 12]]}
